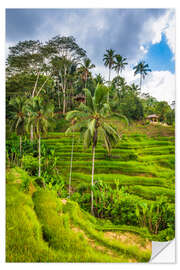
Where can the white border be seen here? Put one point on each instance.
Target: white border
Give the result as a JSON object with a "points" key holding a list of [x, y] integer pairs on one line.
{"points": [[78, 4]]}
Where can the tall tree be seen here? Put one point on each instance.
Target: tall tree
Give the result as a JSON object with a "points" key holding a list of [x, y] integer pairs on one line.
{"points": [[84, 70], [92, 122], [73, 121], [141, 68], [63, 51], [40, 114], [109, 62], [28, 57], [119, 63]]}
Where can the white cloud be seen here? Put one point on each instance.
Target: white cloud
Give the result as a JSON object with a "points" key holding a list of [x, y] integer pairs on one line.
{"points": [[153, 30], [104, 71], [143, 49], [8, 44], [170, 33], [161, 85]]}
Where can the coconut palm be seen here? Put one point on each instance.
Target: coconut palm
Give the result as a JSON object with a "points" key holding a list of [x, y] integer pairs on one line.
{"points": [[18, 118], [92, 122], [73, 121], [109, 60], [119, 63], [99, 79], [142, 69], [85, 68], [40, 114]]}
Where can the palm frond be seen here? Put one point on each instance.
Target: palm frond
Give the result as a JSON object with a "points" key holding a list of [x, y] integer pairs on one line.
{"points": [[92, 126], [75, 114], [87, 138], [100, 95], [89, 100]]}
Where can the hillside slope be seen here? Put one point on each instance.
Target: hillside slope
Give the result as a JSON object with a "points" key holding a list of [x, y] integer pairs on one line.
{"points": [[43, 228]]}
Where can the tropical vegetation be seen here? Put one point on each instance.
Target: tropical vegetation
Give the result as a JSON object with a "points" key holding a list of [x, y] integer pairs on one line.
{"points": [[89, 177]]}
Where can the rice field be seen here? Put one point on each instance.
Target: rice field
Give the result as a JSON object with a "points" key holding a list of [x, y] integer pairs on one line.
{"points": [[144, 165], [43, 228]]}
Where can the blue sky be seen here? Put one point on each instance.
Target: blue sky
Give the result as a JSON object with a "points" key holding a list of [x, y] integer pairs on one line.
{"points": [[160, 57], [138, 34]]}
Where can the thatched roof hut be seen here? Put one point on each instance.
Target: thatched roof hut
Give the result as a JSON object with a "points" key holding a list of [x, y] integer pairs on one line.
{"points": [[152, 117]]}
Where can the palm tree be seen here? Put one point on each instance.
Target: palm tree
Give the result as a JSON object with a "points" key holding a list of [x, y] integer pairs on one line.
{"points": [[99, 79], [73, 121], [119, 63], [85, 68], [142, 69], [92, 122], [40, 114], [135, 88], [18, 118], [109, 62]]}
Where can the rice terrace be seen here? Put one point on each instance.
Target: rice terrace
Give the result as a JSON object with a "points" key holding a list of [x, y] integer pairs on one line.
{"points": [[90, 160]]}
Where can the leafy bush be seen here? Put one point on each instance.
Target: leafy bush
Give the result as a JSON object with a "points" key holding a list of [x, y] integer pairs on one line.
{"points": [[30, 164]]}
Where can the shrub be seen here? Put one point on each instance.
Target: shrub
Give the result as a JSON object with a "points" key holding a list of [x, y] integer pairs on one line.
{"points": [[30, 164]]}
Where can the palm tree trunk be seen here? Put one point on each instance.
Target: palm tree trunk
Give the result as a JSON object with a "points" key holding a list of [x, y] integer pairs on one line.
{"points": [[20, 144], [140, 81], [39, 172], [109, 85], [70, 173], [31, 137], [64, 102], [93, 159], [109, 74], [59, 105]]}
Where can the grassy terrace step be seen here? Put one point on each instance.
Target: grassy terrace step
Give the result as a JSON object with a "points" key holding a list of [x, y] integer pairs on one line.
{"points": [[41, 230], [156, 157], [134, 229], [60, 218], [152, 192], [123, 179], [159, 150], [58, 233], [169, 138], [24, 241], [100, 155], [129, 167], [146, 144], [77, 218]]}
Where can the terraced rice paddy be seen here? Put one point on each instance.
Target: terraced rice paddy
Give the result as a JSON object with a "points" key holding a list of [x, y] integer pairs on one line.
{"points": [[144, 165], [44, 228]]}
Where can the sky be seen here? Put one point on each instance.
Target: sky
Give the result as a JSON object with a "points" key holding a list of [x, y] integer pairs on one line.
{"points": [[138, 34]]}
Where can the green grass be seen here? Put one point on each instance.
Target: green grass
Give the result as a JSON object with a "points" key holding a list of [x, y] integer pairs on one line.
{"points": [[84, 224], [123, 179], [151, 193], [42, 229], [24, 242], [136, 160]]}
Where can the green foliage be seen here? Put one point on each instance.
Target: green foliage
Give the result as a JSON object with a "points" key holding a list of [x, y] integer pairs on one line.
{"points": [[151, 193], [117, 246], [57, 231], [30, 164]]}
